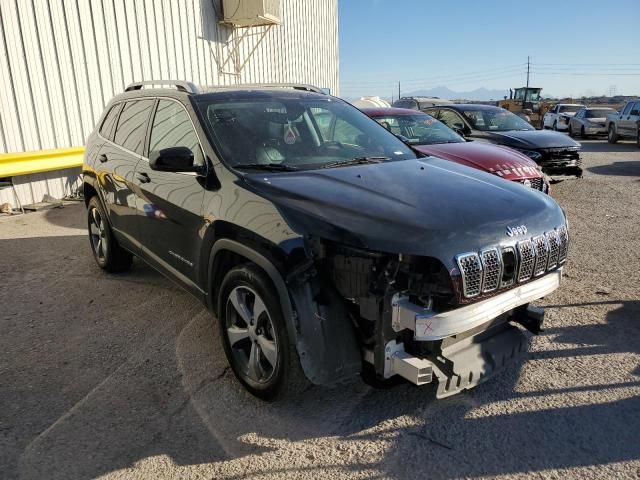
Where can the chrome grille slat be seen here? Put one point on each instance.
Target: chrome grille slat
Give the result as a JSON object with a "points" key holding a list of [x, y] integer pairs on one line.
{"points": [[501, 267], [492, 266], [472, 273], [526, 259], [554, 248], [563, 235], [542, 255]]}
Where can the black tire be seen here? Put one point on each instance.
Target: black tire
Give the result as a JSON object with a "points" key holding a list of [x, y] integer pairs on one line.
{"points": [[570, 131], [555, 126], [612, 136], [582, 132], [107, 253], [265, 333], [638, 138]]}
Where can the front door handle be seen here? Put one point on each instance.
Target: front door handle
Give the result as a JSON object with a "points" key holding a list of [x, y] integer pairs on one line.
{"points": [[143, 177], [102, 157]]}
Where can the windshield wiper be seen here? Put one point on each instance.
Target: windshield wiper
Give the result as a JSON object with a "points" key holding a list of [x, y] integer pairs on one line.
{"points": [[355, 161], [271, 167]]}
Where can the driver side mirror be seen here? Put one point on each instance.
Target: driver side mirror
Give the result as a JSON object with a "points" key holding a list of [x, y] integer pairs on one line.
{"points": [[173, 159], [460, 129]]}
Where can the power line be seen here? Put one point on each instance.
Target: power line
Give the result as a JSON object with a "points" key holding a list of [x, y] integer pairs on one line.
{"points": [[443, 77]]}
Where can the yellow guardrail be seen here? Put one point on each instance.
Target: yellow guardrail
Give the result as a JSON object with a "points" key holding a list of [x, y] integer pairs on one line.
{"points": [[24, 163]]}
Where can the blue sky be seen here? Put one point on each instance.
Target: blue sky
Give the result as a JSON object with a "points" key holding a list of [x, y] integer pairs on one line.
{"points": [[576, 47]]}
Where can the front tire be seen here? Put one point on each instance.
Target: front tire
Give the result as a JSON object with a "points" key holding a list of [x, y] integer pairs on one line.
{"points": [[555, 126], [612, 136], [570, 130], [255, 337], [107, 253], [582, 133]]}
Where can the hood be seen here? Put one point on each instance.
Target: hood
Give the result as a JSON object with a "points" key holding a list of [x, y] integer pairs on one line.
{"points": [[427, 206], [502, 161], [531, 139]]}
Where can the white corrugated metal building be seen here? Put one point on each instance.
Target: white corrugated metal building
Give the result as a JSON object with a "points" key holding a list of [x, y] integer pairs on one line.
{"points": [[62, 60]]}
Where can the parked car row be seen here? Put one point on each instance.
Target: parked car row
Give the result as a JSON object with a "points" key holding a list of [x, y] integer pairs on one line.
{"points": [[327, 244], [432, 137], [556, 154]]}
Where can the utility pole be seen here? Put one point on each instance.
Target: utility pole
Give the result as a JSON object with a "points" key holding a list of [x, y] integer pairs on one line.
{"points": [[526, 92], [398, 89]]}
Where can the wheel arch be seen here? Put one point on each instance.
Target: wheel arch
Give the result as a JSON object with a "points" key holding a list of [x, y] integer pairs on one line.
{"points": [[321, 332]]}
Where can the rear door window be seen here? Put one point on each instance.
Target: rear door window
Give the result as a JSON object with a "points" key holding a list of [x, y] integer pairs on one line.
{"points": [[132, 125], [450, 118]]}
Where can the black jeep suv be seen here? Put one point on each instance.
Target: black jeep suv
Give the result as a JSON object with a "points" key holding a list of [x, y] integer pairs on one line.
{"points": [[324, 245]]}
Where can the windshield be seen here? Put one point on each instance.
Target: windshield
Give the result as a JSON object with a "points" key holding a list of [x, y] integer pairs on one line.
{"points": [[569, 108], [290, 132], [600, 113], [533, 94], [495, 120], [419, 129]]}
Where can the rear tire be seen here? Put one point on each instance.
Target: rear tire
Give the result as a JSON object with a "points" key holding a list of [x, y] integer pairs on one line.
{"points": [[582, 133], [255, 337], [555, 126], [612, 136], [108, 254], [570, 130]]}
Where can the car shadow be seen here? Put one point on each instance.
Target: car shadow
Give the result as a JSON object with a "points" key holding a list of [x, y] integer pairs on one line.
{"points": [[602, 146], [627, 169], [102, 373]]}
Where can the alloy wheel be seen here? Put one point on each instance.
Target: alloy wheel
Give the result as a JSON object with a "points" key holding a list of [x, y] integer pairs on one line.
{"points": [[98, 234], [251, 334]]}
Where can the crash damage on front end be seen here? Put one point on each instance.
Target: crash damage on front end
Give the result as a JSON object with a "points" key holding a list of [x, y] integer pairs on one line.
{"points": [[426, 281]]}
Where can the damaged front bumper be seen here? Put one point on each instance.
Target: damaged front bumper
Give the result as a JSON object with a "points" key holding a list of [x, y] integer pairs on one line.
{"points": [[428, 326], [476, 341]]}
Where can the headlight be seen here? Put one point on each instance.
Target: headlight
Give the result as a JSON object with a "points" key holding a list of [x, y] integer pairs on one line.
{"points": [[532, 154]]}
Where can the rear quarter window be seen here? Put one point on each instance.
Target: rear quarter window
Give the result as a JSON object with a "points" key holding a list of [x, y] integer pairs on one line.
{"points": [[106, 129]]}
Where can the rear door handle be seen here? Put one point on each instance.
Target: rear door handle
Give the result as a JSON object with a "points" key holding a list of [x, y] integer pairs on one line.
{"points": [[143, 177], [102, 157]]}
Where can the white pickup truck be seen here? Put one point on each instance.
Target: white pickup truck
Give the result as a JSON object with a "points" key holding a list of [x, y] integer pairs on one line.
{"points": [[625, 124], [558, 117]]}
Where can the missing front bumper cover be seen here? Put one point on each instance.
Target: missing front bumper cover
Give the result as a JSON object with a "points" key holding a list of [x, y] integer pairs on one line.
{"points": [[428, 325]]}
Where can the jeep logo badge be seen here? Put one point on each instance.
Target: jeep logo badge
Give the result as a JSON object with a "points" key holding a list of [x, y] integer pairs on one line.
{"points": [[517, 230]]}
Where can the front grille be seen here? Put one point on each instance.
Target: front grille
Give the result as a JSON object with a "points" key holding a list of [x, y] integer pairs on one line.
{"points": [[536, 183], [501, 267], [492, 266], [554, 248], [561, 156], [526, 259], [542, 255], [563, 236], [471, 269]]}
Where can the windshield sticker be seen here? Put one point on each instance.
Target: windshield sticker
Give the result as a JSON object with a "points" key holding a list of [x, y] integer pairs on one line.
{"points": [[428, 121], [289, 134]]}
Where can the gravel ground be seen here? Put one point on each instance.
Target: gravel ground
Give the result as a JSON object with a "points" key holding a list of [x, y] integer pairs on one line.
{"points": [[121, 376]]}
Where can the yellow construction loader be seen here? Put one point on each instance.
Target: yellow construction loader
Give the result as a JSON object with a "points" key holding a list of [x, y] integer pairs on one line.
{"points": [[526, 102]]}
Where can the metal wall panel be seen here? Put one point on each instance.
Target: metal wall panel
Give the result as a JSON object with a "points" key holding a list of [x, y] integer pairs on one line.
{"points": [[62, 60]]}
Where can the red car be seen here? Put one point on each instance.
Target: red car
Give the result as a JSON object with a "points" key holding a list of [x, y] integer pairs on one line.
{"points": [[428, 135]]}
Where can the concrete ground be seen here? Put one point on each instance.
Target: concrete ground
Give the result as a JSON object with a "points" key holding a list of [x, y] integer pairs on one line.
{"points": [[121, 376]]}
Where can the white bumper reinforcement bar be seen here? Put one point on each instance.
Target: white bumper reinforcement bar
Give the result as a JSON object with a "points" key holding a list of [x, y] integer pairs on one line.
{"points": [[428, 325]]}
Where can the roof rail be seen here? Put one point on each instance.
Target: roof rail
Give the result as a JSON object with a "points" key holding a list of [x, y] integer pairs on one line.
{"points": [[295, 86], [181, 85]]}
